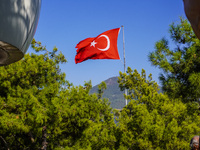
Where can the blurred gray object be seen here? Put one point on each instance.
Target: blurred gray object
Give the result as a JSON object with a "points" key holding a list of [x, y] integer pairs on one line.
{"points": [[192, 11], [18, 23]]}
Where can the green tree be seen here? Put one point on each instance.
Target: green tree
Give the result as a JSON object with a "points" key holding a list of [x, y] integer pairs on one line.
{"points": [[101, 88], [152, 120], [180, 66], [27, 90], [40, 109], [88, 121]]}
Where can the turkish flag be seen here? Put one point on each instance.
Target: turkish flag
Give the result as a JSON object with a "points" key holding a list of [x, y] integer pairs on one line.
{"points": [[104, 46]]}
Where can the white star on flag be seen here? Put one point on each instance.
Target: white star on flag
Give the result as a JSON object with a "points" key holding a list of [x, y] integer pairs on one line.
{"points": [[93, 43]]}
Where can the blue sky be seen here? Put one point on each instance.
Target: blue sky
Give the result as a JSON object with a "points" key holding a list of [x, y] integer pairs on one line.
{"points": [[63, 23]]}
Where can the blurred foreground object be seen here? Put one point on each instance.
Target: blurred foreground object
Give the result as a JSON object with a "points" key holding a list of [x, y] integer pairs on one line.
{"points": [[194, 143], [192, 11], [18, 23]]}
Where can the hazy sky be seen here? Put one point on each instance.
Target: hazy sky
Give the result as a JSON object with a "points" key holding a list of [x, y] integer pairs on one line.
{"points": [[63, 23]]}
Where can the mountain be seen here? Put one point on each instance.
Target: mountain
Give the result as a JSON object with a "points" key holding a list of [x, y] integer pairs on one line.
{"points": [[113, 93]]}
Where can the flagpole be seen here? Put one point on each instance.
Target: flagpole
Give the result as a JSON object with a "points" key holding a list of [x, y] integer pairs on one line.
{"points": [[124, 60]]}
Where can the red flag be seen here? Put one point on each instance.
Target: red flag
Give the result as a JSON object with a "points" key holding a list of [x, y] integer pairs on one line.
{"points": [[104, 46]]}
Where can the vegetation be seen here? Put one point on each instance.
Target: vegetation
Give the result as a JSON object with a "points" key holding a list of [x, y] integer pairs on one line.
{"points": [[180, 67], [40, 109], [164, 121], [153, 121]]}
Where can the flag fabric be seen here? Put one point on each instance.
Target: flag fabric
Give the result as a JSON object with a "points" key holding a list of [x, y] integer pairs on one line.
{"points": [[104, 46]]}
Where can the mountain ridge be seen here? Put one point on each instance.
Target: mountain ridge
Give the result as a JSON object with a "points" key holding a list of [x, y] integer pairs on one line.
{"points": [[113, 93]]}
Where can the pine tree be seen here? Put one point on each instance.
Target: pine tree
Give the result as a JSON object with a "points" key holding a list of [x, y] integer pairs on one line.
{"points": [[40, 109], [152, 120], [180, 66]]}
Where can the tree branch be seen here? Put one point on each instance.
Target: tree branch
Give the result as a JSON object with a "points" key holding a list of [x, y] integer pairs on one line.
{"points": [[5, 142], [44, 138]]}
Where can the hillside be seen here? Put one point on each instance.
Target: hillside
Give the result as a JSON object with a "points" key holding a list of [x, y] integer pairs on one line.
{"points": [[112, 92]]}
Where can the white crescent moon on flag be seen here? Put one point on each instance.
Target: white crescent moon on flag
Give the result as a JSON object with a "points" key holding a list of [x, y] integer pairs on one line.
{"points": [[108, 43]]}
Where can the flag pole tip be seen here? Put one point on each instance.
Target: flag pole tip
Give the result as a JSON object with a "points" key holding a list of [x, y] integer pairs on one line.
{"points": [[122, 26]]}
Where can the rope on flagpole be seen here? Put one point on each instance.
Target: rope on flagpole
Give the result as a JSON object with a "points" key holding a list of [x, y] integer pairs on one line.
{"points": [[124, 61]]}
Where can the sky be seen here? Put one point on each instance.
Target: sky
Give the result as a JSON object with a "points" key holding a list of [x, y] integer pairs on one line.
{"points": [[64, 23]]}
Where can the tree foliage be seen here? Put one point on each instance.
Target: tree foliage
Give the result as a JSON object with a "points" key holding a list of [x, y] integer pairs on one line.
{"points": [[166, 120], [181, 66], [153, 121], [40, 109]]}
